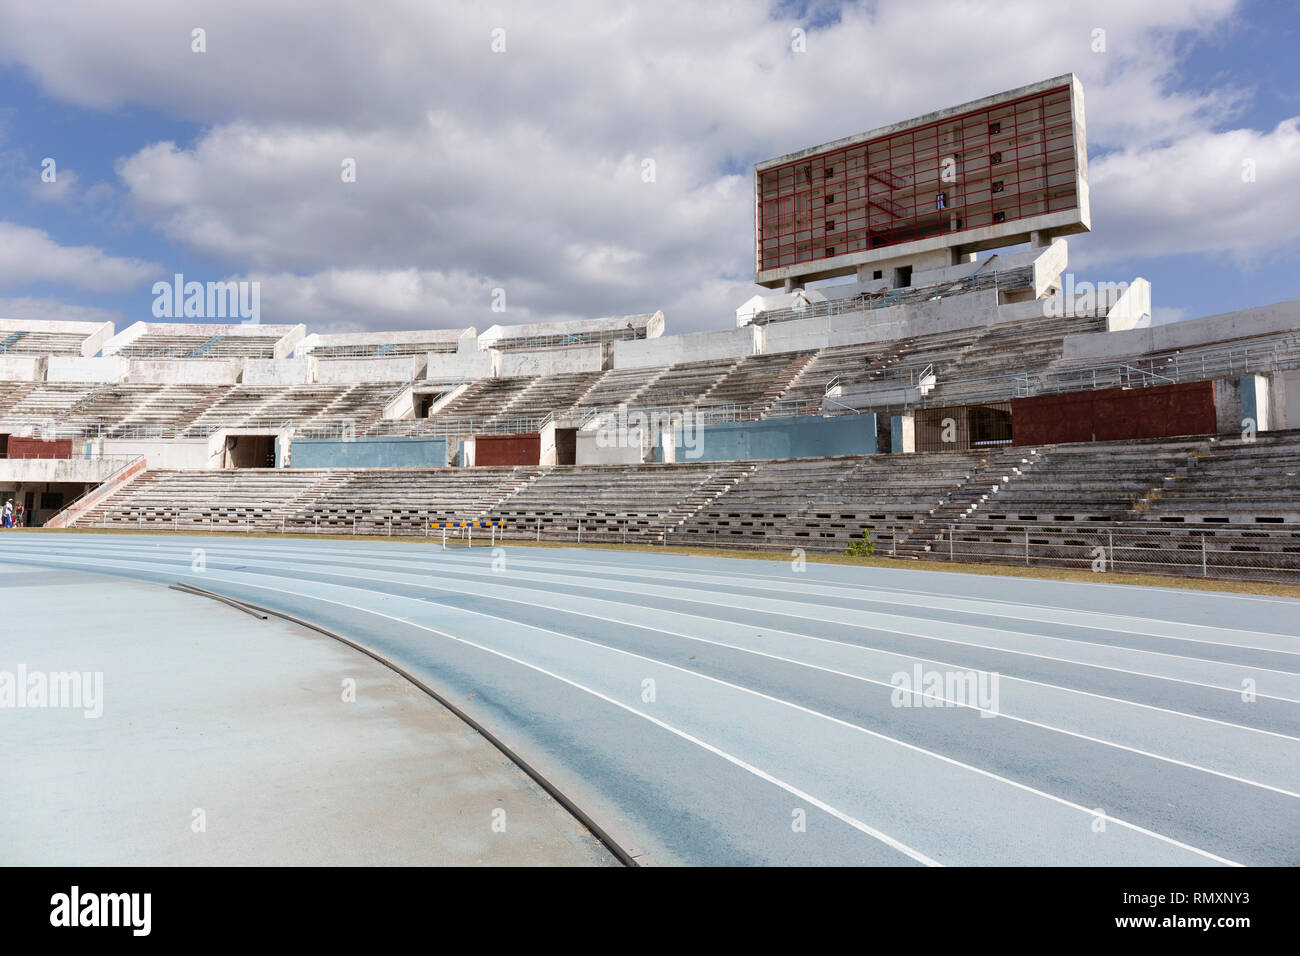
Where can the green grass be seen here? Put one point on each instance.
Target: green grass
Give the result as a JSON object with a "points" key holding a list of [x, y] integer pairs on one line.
{"points": [[1048, 574]]}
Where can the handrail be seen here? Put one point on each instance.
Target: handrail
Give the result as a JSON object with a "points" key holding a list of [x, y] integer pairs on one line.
{"points": [[131, 460]]}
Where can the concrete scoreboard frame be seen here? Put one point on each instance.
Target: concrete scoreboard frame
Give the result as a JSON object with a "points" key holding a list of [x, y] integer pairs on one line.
{"points": [[928, 192]]}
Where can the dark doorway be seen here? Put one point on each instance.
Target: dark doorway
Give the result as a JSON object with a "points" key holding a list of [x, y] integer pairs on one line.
{"points": [[566, 446], [250, 451]]}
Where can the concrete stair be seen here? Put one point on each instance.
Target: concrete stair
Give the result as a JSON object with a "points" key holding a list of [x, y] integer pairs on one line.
{"points": [[520, 478], [710, 490], [997, 470]]}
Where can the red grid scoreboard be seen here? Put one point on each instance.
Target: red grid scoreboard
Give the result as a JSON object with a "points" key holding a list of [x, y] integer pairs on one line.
{"points": [[978, 176]]}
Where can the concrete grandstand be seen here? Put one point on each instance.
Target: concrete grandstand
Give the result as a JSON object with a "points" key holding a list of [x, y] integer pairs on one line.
{"points": [[986, 405]]}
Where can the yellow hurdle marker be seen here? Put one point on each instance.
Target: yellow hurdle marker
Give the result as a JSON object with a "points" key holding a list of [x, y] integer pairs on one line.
{"points": [[444, 525]]}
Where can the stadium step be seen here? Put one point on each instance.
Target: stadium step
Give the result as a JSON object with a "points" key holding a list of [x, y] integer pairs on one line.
{"points": [[997, 471], [520, 478], [708, 491]]}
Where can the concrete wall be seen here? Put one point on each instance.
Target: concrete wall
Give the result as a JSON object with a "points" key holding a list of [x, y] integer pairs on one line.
{"points": [[808, 437], [556, 361], [22, 368], [370, 453], [346, 371], [880, 325], [468, 362], [283, 371], [1132, 309], [184, 371], [184, 454], [612, 445], [1286, 399], [65, 368], [694, 347], [1279, 318], [57, 470]]}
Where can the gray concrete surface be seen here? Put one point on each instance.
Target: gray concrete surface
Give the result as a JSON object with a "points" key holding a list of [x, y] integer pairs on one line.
{"points": [[205, 707]]}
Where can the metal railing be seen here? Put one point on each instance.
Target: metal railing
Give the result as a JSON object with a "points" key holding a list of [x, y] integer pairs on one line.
{"points": [[865, 301]]}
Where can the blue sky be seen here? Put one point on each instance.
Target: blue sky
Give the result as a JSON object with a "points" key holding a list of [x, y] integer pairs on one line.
{"points": [[517, 170]]}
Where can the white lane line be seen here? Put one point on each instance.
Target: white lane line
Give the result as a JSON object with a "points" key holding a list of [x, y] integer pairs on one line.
{"points": [[1127, 589], [987, 607], [775, 700], [689, 594], [716, 751], [994, 648], [533, 602], [663, 572], [870, 649], [497, 597], [759, 694], [555, 554]]}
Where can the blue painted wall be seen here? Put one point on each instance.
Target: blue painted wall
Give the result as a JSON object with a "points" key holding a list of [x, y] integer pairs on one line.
{"points": [[370, 453], [808, 437]]}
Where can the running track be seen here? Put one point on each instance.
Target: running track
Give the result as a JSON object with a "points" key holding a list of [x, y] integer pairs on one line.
{"points": [[716, 711]]}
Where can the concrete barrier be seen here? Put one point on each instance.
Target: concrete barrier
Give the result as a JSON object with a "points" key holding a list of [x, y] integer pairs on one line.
{"points": [[805, 437], [280, 371], [1280, 318], [369, 453], [556, 361], [72, 368], [693, 347], [347, 371]]}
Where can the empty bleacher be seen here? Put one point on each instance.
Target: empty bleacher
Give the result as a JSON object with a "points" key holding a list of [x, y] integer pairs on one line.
{"points": [[201, 345], [41, 343]]}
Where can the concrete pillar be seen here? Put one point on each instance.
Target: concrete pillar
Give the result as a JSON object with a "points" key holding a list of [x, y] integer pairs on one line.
{"points": [[793, 285], [902, 434], [1040, 238], [667, 447]]}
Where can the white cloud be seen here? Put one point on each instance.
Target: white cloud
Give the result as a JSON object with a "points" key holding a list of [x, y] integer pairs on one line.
{"points": [[1232, 193], [54, 310], [522, 170], [29, 255], [61, 189]]}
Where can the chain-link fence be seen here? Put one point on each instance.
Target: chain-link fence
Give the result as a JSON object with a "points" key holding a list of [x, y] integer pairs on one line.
{"points": [[1208, 551], [1246, 552]]}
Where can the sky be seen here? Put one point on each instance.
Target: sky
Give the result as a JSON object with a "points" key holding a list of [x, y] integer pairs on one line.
{"points": [[502, 146]]}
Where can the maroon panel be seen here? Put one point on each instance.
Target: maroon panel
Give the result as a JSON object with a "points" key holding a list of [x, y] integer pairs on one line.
{"points": [[35, 448], [1115, 414], [524, 449]]}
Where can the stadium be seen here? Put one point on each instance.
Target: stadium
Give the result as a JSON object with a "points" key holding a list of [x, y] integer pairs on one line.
{"points": [[735, 596]]}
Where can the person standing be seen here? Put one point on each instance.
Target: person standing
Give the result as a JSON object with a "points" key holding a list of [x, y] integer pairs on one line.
{"points": [[8, 514]]}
